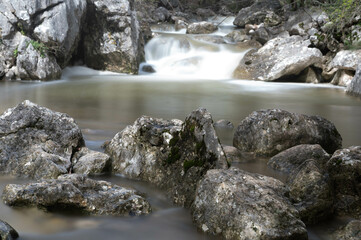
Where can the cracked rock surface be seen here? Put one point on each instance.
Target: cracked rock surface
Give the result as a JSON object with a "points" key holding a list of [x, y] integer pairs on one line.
{"points": [[36, 142], [75, 192], [241, 205]]}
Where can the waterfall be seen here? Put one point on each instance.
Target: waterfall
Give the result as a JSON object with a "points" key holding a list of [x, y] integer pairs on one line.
{"points": [[211, 56]]}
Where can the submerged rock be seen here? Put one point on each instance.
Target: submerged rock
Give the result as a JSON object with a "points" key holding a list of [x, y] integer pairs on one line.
{"points": [[223, 124], [201, 28], [113, 39], [36, 142], [86, 161], [352, 231], [77, 193], [241, 205], [345, 171], [355, 86], [311, 192], [7, 232], [169, 154], [268, 132], [290, 159], [279, 58]]}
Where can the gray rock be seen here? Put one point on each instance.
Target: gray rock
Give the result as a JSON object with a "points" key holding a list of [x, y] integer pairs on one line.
{"points": [[139, 151], [54, 26], [257, 12], [161, 14], [170, 4], [345, 171], [222, 123], [347, 60], [77, 193], [268, 132], [180, 24], [201, 28], [171, 155], [36, 142], [238, 36], [7, 232], [113, 40], [278, 58], [355, 86], [35, 63], [205, 13], [352, 231], [342, 78], [232, 154], [88, 162], [290, 159], [241, 205], [311, 192]]}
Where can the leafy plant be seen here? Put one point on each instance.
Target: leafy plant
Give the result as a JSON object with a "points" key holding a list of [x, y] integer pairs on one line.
{"points": [[39, 46], [16, 52]]}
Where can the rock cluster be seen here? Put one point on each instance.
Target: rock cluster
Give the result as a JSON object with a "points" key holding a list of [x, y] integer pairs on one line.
{"points": [[171, 154], [39, 38], [188, 161]]}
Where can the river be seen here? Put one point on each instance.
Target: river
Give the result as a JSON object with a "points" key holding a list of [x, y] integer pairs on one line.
{"points": [[103, 103]]}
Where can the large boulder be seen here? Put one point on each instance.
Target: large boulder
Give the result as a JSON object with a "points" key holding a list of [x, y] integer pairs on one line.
{"points": [[201, 28], [138, 151], [311, 192], [268, 132], [36, 142], [352, 231], [77, 193], [345, 171], [256, 13], [169, 154], [112, 39], [346, 60], [278, 59], [241, 205], [7, 232], [355, 86], [54, 28], [290, 159], [89, 162]]}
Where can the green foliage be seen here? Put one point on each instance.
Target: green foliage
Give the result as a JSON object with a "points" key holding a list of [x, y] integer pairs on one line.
{"points": [[16, 52], [173, 156], [21, 28], [192, 163], [38, 46]]}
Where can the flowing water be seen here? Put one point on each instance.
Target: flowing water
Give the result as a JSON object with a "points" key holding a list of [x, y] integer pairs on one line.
{"points": [[104, 103]]}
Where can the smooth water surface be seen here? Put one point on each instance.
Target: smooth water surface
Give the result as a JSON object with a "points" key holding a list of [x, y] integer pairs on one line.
{"points": [[104, 104]]}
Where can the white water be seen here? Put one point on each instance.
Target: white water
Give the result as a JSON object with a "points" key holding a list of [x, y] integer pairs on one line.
{"points": [[174, 53]]}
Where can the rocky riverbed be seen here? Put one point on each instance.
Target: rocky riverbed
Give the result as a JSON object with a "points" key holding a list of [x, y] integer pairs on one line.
{"points": [[187, 160]]}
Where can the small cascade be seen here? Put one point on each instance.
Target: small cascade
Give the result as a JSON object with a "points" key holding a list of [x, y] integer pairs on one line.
{"points": [[175, 53]]}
